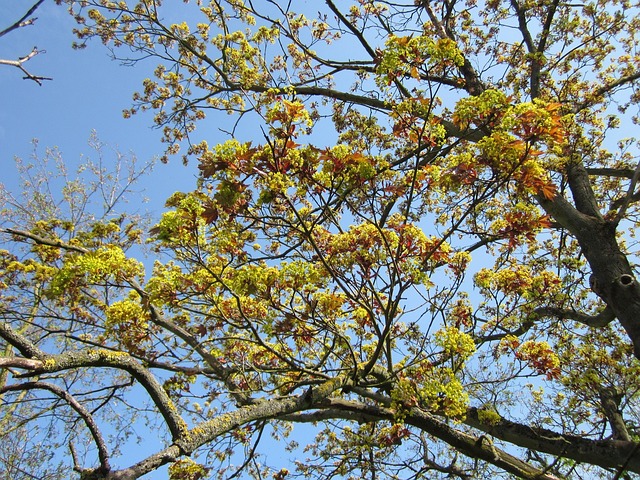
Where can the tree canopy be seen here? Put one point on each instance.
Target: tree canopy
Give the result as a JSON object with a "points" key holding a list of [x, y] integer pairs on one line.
{"points": [[414, 257]]}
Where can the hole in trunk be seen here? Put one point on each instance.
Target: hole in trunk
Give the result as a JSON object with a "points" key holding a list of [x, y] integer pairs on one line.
{"points": [[626, 280]]}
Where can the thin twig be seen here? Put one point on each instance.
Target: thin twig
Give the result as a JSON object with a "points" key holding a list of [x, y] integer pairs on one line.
{"points": [[18, 63]]}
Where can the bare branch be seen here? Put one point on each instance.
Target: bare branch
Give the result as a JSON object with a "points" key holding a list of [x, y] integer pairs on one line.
{"points": [[99, 358], [606, 89], [19, 64], [42, 240], [122, 361], [612, 172], [17, 362], [352, 27]]}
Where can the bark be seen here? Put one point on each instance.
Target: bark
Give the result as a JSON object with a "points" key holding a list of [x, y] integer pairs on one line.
{"points": [[602, 319]]}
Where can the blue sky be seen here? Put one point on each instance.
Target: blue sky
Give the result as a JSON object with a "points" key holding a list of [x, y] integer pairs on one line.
{"points": [[88, 92]]}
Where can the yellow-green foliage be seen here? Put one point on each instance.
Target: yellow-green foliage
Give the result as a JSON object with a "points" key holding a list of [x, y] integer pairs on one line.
{"points": [[455, 342], [404, 56], [433, 389], [127, 323], [108, 262]]}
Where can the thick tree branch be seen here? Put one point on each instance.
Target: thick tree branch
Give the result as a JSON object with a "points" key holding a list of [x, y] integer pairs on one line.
{"points": [[206, 432], [611, 172], [602, 319], [474, 447], [473, 83], [610, 400], [627, 199], [18, 362], [605, 317], [581, 190], [604, 453], [563, 212], [43, 241], [534, 62]]}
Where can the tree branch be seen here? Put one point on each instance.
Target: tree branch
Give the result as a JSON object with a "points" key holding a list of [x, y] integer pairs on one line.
{"points": [[605, 89], [21, 343], [474, 447], [626, 200], [103, 453], [19, 64], [602, 319], [581, 189], [23, 22], [610, 400], [97, 358], [222, 424], [222, 373], [17, 362], [611, 172], [42, 240], [604, 453], [354, 30], [122, 361]]}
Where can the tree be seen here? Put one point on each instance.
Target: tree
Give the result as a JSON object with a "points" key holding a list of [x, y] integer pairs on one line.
{"points": [[26, 20], [39, 417], [448, 290]]}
